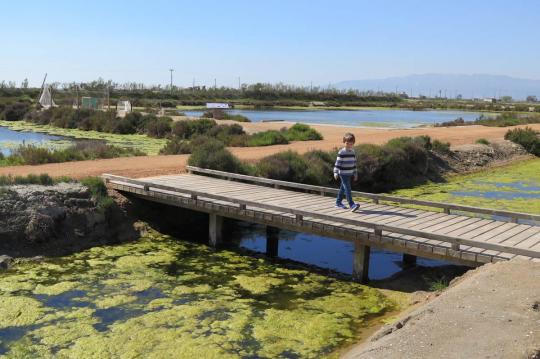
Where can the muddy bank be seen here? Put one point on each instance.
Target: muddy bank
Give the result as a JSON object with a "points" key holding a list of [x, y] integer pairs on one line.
{"points": [[56, 220], [490, 312]]}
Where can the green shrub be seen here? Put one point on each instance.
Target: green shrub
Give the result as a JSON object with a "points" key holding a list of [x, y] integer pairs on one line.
{"points": [[441, 147], [176, 147], [320, 167], [14, 112], [526, 137], [211, 153], [188, 128], [267, 138], [301, 132], [482, 141], [97, 188], [285, 166]]}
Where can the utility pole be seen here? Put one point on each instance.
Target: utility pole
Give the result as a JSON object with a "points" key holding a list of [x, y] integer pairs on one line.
{"points": [[239, 86], [215, 84], [171, 70]]}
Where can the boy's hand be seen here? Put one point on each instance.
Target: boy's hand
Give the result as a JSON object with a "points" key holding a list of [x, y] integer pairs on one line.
{"points": [[355, 178], [336, 176]]}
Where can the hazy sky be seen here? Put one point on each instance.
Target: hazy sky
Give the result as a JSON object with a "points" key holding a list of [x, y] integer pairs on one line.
{"points": [[292, 41]]}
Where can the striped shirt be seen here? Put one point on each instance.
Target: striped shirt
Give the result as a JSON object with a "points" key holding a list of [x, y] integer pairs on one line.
{"points": [[345, 162]]}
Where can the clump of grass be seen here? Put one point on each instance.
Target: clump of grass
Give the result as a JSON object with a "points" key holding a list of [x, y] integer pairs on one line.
{"points": [[41, 179], [81, 151], [482, 141], [436, 283], [97, 188], [441, 147]]}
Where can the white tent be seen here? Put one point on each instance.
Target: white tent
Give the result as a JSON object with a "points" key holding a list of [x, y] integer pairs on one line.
{"points": [[46, 99]]}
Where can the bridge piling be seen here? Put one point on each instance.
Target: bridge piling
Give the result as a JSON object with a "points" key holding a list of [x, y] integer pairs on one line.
{"points": [[409, 260], [215, 226], [361, 262], [272, 241]]}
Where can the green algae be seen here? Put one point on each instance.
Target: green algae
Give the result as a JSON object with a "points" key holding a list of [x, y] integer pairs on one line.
{"points": [[159, 297], [515, 187], [19, 311]]}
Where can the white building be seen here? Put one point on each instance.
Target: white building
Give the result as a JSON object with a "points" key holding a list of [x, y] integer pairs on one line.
{"points": [[123, 108], [217, 105]]}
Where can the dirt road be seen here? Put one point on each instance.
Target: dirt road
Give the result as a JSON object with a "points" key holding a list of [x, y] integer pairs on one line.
{"points": [[157, 165], [491, 312]]}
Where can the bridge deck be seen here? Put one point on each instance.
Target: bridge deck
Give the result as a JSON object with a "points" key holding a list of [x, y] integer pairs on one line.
{"points": [[453, 237]]}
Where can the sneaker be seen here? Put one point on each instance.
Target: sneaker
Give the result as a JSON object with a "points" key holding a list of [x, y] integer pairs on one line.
{"points": [[355, 207], [341, 205]]}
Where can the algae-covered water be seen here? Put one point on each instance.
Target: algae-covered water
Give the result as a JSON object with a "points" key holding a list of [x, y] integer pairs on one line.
{"points": [[160, 297], [515, 187]]}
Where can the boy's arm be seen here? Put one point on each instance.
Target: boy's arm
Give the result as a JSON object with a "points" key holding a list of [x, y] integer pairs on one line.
{"points": [[337, 165]]}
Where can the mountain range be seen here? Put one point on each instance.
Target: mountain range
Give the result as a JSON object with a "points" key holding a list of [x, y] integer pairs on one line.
{"points": [[446, 85]]}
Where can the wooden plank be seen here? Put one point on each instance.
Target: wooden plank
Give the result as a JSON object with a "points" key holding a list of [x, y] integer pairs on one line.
{"points": [[379, 197], [430, 235]]}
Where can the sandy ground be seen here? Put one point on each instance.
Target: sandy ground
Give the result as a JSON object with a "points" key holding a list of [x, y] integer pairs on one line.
{"points": [[486, 314], [161, 165]]}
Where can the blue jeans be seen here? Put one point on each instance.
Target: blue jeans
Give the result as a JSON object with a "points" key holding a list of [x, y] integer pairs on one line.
{"points": [[345, 190]]}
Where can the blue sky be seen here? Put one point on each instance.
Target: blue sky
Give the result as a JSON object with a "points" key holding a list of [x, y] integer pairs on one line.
{"points": [[293, 41]]}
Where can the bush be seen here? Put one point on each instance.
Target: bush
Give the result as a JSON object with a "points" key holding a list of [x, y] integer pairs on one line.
{"points": [[482, 141], [526, 137], [14, 112], [441, 147], [267, 138], [285, 166], [211, 153], [97, 188], [159, 127], [186, 128], [176, 147], [301, 132]]}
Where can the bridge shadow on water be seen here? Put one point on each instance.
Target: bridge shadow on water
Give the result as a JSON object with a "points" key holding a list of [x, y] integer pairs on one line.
{"points": [[323, 254]]}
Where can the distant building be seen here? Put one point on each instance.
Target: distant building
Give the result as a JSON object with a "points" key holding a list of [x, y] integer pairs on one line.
{"points": [[490, 100], [123, 108], [90, 103], [317, 103], [218, 105]]}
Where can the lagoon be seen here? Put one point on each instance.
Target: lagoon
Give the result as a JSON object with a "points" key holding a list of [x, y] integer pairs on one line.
{"points": [[360, 118], [10, 139]]}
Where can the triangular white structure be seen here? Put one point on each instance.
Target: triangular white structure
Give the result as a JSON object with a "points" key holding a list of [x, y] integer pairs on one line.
{"points": [[46, 99]]}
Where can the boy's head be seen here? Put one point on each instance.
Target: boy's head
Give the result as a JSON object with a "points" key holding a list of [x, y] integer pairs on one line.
{"points": [[349, 140]]}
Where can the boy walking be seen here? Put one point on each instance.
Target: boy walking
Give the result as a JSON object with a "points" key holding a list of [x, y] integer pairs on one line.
{"points": [[345, 169]]}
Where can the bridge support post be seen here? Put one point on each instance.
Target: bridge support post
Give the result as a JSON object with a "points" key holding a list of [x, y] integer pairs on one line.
{"points": [[272, 241], [409, 260], [215, 225], [361, 262]]}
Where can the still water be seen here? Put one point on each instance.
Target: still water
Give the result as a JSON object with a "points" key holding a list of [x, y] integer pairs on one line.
{"points": [[10, 139], [363, 118]]}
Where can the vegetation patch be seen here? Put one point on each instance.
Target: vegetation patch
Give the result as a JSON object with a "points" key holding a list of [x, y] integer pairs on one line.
{"points": [[194, 303], [514, 188], [526, 137]]}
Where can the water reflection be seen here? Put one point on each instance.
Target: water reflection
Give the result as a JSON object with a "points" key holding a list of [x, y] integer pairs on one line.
{"points": [[323, 252]]}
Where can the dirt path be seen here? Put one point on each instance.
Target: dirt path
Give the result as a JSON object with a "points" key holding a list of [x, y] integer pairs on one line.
{"points": [[491, 312], [158, 165]]}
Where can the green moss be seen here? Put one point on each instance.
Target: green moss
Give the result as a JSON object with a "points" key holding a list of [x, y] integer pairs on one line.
{"points": [[108, 302]]}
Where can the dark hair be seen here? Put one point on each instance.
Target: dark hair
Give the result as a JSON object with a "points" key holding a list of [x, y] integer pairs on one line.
{"points": [[348, 137]]}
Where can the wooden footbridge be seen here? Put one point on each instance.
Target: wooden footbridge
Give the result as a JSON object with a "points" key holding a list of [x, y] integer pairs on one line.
{"points": [[460, 234]]}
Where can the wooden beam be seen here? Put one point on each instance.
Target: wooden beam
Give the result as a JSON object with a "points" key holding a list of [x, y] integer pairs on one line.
{"points": [[215, 226], [361, 262], [272, 241], [408, 260]]}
